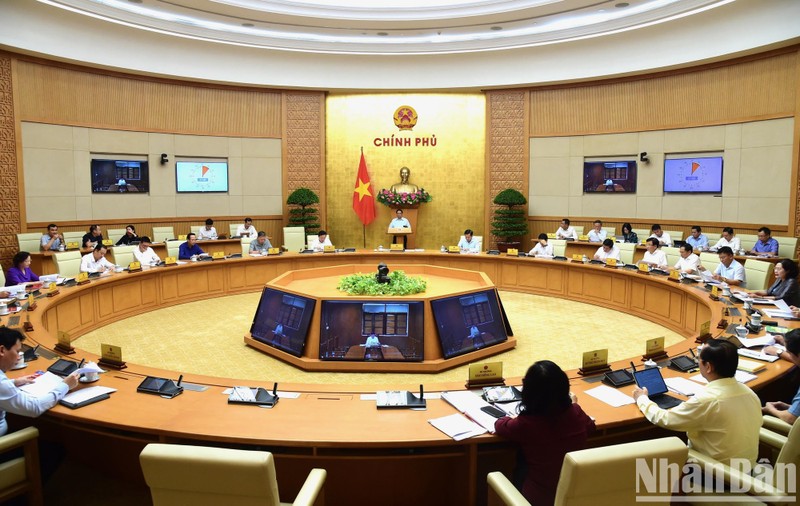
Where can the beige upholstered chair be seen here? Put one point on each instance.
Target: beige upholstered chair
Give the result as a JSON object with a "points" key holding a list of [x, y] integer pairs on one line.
{"points": [[673, 255], [578, 228], [675, 235], [2, 278], [196, 229], [709, 260], [747, 240], [30, 241], [68, 263], [181, 475], [756, 273], [713, 237], [115, 234], [610, 231], [246, 245], [172, 248], [21, 475], [786, 246], [310, 240], [161, 234], [502, 492], [74, 237], [559, 247], [122, 255], [607, 475], [232, 229], [626, 251], [294, 238], [641, 233], [764, 484]]}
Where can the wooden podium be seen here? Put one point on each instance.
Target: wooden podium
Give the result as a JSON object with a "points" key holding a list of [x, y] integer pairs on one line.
{"points": [[401, 232], [409, 213]]}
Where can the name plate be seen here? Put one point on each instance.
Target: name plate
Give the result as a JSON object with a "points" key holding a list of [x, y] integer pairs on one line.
{"points": [[31, 301], [595, 359], [705, 328], [107, 242], [583, 237], [82, 277], [715, 291], [134, 266], [274, 251], [512, 252], [63, 338], [487, 372], [73, 245], [398, 230], [182, 237], [170, 261], [577, 258], [644, 268], [654, 346], [453, 249], [218, 255], [111, 352], [52, 288], [611, 262], [674, 275], [396, 247], [329, 249], [552, 236]]}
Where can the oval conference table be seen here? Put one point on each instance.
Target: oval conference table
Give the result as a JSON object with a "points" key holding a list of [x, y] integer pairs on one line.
{"points": [[372, 456]]}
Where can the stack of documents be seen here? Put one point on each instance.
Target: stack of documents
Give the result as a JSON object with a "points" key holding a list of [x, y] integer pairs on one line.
{"points": [[610, 396], [683, 386], [783, 310], [470, 404], [42, 385], [457, 426]]}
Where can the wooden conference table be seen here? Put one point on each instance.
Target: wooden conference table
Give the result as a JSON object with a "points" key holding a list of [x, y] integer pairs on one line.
{"points": [[328, 425]]}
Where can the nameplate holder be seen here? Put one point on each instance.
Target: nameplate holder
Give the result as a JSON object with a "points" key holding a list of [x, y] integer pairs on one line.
{"points": [[577, 258], [134, 267], [107, 242], [73, 245], [674, 276], [218, 255], [705, 332], [27, 325], [170, 261], [273, 251], [512, 252], [485, 374], [552, 236], [31, 302], [64, 344], [82, 278], [453, 249], [52, 290], [654, 349], [643, 269], [714, 295], [396, 247], [111, 357], [594, 362], [182, 237], [329, 249], [611, 262], [583, 237]]}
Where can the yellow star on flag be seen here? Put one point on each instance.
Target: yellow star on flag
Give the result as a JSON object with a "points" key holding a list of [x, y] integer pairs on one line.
{"points": [[362, 189]]}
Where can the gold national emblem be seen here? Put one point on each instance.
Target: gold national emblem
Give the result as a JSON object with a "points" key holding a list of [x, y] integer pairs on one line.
{"points": [[405, 117]]}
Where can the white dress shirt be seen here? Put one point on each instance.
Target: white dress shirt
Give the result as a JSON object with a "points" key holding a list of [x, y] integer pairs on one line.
{"points": [[612, 253], [89, 264], [569, 233], [735, 244], [595, 236], [241, 230], [16, 401], [721, 421], [472, 246], [149, 256], [688, 264], [734, 271], [320, 246], [207, 234], [664, 240], [657, 258], [400, 223], [541, 251]]}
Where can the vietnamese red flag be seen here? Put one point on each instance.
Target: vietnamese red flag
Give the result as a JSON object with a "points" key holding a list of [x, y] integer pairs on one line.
{"points": [[363, 196]]}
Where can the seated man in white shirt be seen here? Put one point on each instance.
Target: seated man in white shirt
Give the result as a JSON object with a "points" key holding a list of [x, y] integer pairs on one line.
{"points": [[247, 229], [321, 241], [207, 232], [663, 238], [597, 234], [372, 341], [688, 261], [654, 257], [469, 244], [566, 232], [728, 239], [144, 254], [96, 260], [607, 250], [542, 249], [729, 270]]}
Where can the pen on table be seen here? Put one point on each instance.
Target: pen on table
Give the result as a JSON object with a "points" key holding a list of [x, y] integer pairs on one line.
{"points": [[180, 378], [81, 364]]}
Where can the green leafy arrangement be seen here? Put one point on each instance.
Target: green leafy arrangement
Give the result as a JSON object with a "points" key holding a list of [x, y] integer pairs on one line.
{"points": [[365, 284]]}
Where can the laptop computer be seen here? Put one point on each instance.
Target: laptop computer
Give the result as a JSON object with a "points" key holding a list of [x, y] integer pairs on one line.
{"points": [[651, 379]]}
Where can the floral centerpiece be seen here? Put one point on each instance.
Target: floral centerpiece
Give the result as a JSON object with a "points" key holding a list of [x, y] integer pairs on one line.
{"points": [[366, 284], [391, 198]]}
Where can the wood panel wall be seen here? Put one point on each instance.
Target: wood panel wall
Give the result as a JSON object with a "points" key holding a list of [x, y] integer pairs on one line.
{"points": [[11, 211], [748, 89]]}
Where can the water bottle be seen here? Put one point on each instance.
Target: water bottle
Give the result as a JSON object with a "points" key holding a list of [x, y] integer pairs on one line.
{"points": [[444, 250], [380, 247]]}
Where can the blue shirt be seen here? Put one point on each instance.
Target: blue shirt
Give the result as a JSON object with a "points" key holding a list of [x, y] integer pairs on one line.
{"points": [[771, 246], [795, 407], [400, 223], [700, 243], [185, 252], [20, 403], [56, 243]]}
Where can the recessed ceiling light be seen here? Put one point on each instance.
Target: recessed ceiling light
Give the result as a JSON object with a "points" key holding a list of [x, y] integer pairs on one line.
{"points": [[622, 5], [383, 34], [496, 28], [248, 25]]}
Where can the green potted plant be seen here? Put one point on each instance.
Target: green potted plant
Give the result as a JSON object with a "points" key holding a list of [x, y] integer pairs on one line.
{"points": [[303, 214], [509, 223]]}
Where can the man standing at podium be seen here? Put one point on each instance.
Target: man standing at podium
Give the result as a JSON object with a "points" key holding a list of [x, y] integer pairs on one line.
{"points": [[400, 222]]}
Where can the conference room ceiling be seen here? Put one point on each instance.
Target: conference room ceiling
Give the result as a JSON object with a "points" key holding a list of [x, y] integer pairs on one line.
{"points": [[388, 26]]}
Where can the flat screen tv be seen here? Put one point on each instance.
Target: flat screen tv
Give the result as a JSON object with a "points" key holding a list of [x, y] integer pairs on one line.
{"points": [[609, 177], [469, 322], [693, 175], [120, 176], [282, 320], [372, 331], [201, 177]]}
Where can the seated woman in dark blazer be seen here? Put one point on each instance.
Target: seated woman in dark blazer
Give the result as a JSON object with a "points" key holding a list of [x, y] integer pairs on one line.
{"points": [[785, 285], [550, 424]]}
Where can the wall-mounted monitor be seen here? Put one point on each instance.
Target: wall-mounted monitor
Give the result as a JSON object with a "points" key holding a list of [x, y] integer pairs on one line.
{"points": [[282, 320], [615, 176], [118, 175], [469, 322], [372, 331], [702, 174], [201, 176]]}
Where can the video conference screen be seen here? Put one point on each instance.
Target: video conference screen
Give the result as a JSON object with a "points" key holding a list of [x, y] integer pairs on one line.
{"points": [[468, 322], [282, 320], [693, 175], [372, 331], [201, 177], [120, 176], [612, 177]]}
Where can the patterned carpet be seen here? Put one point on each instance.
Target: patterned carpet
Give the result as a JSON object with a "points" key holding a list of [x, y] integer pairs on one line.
{"points": [[206, 338]]}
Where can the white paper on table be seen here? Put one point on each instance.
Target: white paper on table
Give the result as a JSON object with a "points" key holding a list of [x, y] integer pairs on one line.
{"points": [[683, 386], [470, 404], [743, 296], [782, 305], [765, 340], [740, 376], [777, 313], [610, 396], [84, 394], [457, 426], [42, 385], [426, 395]]}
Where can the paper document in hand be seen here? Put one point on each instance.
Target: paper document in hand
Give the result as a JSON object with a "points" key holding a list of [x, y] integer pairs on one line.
{"points": [[777, 313], [42, 385], [683, 386], [457, 426], [85, 394], [610, 396], [90, 367], [782, 305]]}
